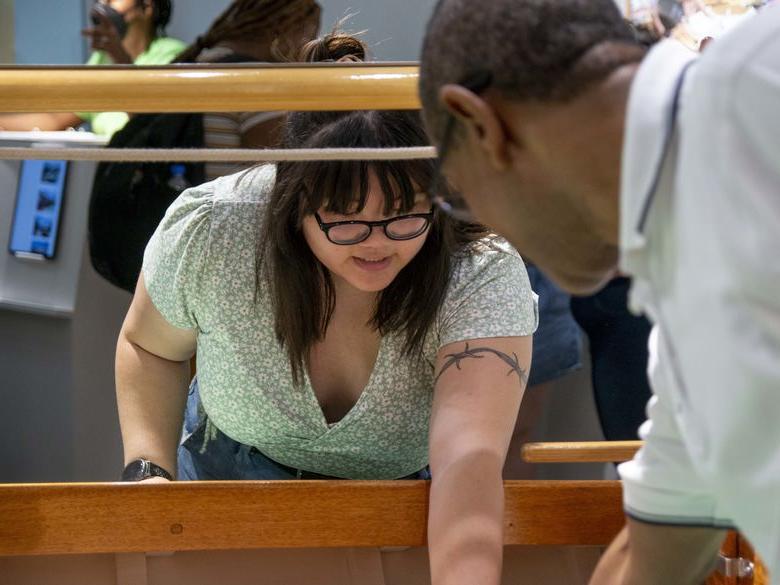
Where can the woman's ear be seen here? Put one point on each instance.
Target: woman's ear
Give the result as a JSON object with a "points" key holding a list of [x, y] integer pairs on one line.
{"points": [[482, 123]]}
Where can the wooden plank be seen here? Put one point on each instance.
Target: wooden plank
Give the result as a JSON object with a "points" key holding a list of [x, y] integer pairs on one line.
{"points": [[212, 89], [40, 519], [580, 451]]}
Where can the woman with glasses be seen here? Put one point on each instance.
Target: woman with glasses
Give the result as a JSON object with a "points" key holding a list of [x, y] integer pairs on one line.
{"points": [[344, 328]]}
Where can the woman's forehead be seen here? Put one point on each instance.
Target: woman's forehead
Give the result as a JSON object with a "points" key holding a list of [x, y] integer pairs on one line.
{"points": [[349, 187], [376, 199]]}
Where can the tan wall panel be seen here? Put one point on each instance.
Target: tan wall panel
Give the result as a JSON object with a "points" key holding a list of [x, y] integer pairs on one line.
{"points": [[7, 31]]}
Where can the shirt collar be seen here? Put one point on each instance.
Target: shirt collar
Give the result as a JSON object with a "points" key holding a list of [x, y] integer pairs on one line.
{"points": [[649, 109]]}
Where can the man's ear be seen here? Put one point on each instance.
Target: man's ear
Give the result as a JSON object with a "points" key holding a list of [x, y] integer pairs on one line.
{"points": [[480, 120]]}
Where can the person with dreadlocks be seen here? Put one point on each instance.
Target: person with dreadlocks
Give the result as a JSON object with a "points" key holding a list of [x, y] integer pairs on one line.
{"points": [[129, 199], [124, 32], [250, 31]]}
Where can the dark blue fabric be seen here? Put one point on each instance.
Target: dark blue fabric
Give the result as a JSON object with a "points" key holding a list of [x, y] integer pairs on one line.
{"points": [[618, 349], [558, 340]]}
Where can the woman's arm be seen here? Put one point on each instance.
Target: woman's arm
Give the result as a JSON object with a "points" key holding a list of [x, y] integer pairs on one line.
{"points": [[152, 376], [478, 390], [40, 121]]}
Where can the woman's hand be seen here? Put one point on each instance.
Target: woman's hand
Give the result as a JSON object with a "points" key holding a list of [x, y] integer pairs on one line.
{"points": [[104, 37], [155, 479]]}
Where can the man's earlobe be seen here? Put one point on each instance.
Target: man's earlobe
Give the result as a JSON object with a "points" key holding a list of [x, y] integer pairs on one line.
{"points": [[480, 119]]}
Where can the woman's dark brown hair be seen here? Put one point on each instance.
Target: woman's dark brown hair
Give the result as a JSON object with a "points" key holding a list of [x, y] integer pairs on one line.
{"points": [[300, 286], [255, 20]]}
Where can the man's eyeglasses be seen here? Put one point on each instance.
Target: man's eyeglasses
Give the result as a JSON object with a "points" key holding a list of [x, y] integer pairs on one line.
{"points": [[403, 227], [453, 204]]}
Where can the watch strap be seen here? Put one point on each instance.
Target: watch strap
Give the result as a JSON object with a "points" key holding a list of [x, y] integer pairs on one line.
{"points": [[140, 469]]}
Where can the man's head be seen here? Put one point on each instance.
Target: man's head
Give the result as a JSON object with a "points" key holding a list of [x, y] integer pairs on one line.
{"points": [[534, 92]]}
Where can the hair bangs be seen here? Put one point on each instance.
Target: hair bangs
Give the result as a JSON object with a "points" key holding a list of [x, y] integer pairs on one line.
{"points": [[343, 186]]}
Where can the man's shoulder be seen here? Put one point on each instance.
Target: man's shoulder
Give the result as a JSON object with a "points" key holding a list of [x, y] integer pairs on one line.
{"points": [[753, 42], [652, 107]]}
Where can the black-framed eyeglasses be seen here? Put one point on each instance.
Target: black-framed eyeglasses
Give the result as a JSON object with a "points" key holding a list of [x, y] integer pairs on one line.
{"points": [[454, 204], [402, 227]]}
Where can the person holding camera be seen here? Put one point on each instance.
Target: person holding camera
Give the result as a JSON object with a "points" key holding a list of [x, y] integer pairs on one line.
{"points": [[123, 32]]}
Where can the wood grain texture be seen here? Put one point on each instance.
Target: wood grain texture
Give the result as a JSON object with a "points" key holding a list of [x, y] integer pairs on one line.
{"points": [[40, 519], [580, 452], [189, 89]]}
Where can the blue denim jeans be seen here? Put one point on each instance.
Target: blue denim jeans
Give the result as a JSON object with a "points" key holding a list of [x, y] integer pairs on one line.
{"points": [[558, 339], [222, 458]]}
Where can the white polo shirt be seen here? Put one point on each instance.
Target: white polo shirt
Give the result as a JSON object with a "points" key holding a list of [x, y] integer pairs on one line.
{"points": [[706, 267]]}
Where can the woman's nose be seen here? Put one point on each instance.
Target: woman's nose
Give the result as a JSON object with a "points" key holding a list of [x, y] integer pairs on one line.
{"points": [[377, 236]]}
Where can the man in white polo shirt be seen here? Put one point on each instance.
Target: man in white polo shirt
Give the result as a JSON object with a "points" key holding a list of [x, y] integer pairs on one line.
{"points": [[563, 135]]}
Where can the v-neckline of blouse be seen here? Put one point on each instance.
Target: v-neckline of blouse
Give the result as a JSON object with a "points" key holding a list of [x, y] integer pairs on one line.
{"points": [[311, 395]]}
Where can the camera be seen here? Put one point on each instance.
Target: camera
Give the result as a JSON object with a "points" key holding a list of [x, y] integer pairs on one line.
{"points": [[116, 18]]}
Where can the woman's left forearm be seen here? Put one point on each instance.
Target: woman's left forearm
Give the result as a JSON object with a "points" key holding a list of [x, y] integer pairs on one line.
{"points": [[466, 521]]}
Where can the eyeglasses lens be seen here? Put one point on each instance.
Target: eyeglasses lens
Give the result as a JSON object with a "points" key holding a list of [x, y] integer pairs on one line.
{"points": [[348, 233], [407, 227]]}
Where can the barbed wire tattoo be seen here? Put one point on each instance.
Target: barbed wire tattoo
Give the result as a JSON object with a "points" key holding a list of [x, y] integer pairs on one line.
{"points": [[454, 359]]}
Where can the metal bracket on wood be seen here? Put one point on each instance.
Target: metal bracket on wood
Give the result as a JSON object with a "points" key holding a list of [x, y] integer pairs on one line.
{"points": [[734, 567]]}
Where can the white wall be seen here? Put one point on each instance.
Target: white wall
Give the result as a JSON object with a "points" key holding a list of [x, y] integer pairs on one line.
{"points": [[49, 31]]}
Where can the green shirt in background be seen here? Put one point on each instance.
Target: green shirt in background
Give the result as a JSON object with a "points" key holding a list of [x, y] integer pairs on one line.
{"points": [[161, 51]]}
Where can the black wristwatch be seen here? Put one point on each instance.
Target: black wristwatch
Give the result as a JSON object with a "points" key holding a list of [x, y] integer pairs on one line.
{"points": [[139, 469]]}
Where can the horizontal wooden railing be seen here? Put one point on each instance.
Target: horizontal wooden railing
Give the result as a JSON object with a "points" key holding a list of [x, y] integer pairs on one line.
{"points": [[196, 88], [53, 519], [580, 452]]}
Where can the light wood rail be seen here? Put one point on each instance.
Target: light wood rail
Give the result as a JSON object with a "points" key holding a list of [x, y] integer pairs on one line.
{"points": [[342, 86], [53, 519], [580, 452]]}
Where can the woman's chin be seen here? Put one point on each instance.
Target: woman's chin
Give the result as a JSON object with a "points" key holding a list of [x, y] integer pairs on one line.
{"points": [[369, 287], [369, 282]]}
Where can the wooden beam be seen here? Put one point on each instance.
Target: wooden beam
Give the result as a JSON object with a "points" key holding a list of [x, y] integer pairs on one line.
{"points": [[45, 519], [181, 88], [580, 452]]}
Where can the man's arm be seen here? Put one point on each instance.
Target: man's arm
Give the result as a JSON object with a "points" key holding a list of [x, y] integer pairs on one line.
{"points": [[655, 554]]}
